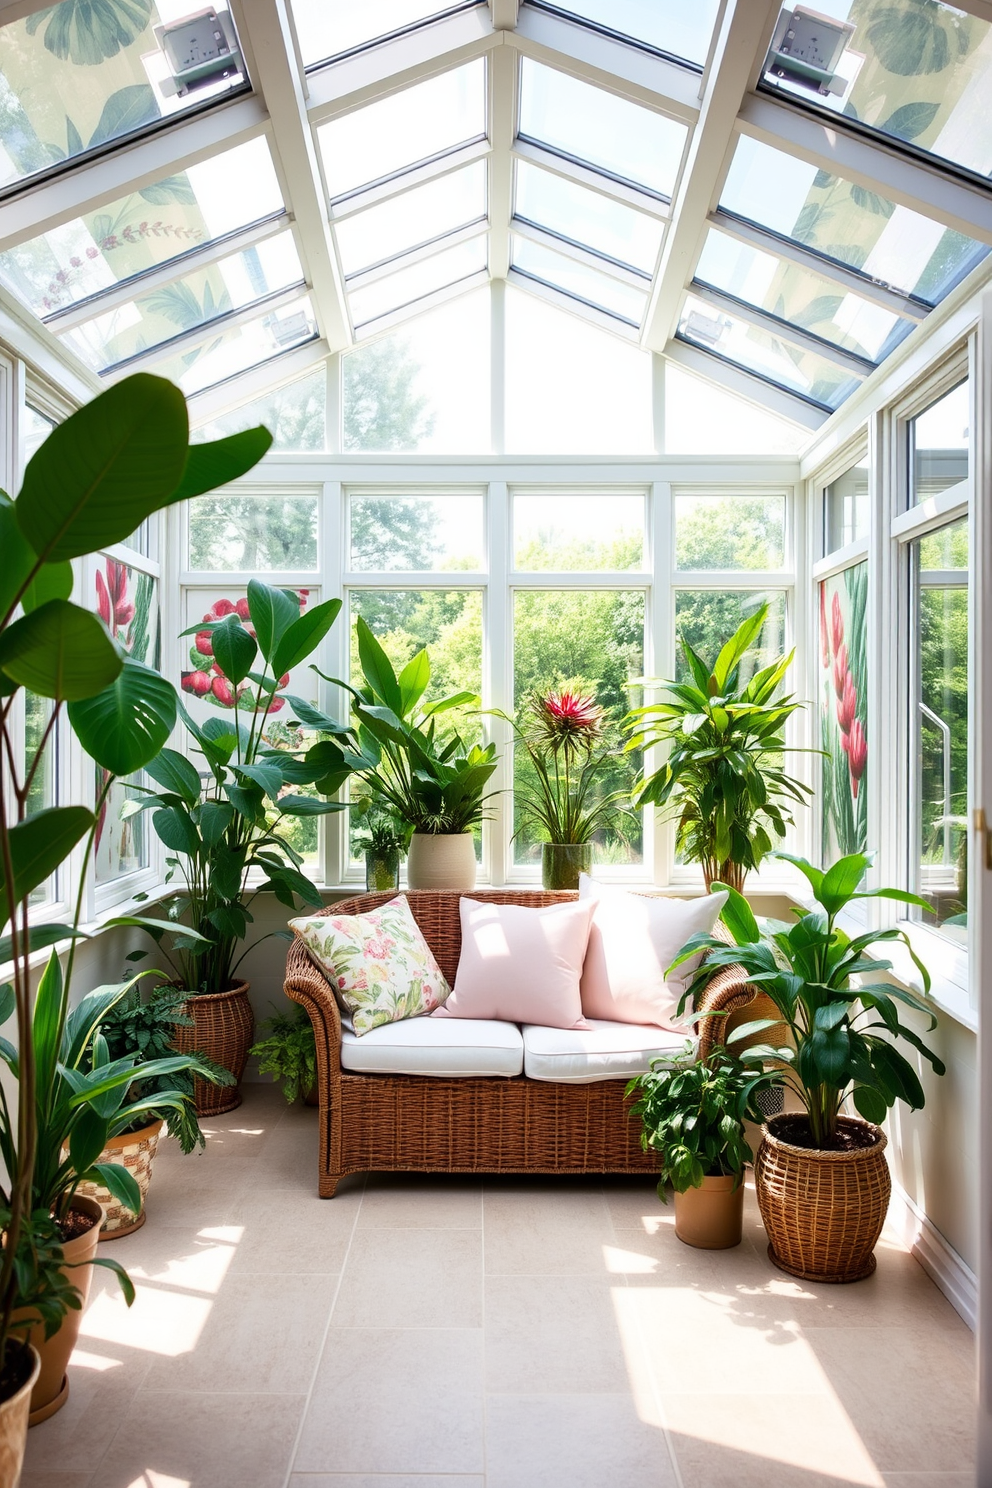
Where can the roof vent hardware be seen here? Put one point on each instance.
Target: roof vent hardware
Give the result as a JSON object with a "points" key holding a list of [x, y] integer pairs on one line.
{"points": [[807, 49], [200, 49], [708, 329], [287, 330]]}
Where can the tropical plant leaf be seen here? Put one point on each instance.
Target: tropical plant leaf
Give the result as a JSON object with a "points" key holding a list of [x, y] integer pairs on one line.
{"points": [[272, 612], [40, 843], [234, 649], [125, 726], [59, 651], [304, 635], [124, 112]]}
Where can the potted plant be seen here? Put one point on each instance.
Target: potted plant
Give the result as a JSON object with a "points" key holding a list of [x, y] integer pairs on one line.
{"points": [[94, 479], [227, 824], [693, 1113], [821, 1176], [383, 839], [289, 1051], [722, 781], [567, 743], [435, 784]]}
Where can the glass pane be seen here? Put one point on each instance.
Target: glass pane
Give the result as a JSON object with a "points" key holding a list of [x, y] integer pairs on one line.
{"points": [[846, 222], [296, 415], [396, 132], [414, 217], [665, 25], [240, 347], [793, 293], [34, 428], [578, 279], [703, 419], [845, 508], [44, 784], [403, 534], [844, 713], [425, 387], [600, 129], [941, 805], [707, 618], [252, 534], [571, 388], [586, 217], [939, 444], [730, 532], [567, 533], [918, 71], [326, 28], [411, 284], [74, 78], [760, 351], [593, 641], [158, 223], [181, 306]]}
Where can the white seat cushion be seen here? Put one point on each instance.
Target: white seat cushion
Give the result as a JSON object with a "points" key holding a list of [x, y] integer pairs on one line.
{"points": [[604, 1051], [432, 1046]]}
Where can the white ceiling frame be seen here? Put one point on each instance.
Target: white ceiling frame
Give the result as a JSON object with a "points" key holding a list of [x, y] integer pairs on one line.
{"points": [[579, 254], [353, 202], [926, 189], [743, 33], [166, 273], [859, 284], [582, 175], [504, 14], [205, 331], [504, 75], [371, 275], [267, 36], [370, 329], [745, 385], [128, 167], [245, 387], [564, 301], [783, 331]]}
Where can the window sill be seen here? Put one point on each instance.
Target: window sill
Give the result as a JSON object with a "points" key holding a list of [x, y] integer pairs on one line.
{"points": [[949, 987]]}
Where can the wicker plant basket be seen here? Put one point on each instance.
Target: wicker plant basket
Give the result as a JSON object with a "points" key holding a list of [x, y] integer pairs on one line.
{"points": [[823, 1211], [223, 1029], [136, 1152]]}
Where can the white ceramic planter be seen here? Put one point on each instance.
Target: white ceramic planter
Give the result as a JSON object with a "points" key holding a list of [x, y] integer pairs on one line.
{"points": [[441, 862]]}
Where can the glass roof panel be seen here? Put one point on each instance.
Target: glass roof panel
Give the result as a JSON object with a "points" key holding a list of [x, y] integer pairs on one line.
{"points": [[396, 132], [600, 129], [759, 351], [669, 26], [597, 222], [160, 222], [326, 28], [415, 217], [799, 296], [240, 347], [74, 77], [198, 298], [419, 279], [578, 280], [857, 227], [914, 70]]}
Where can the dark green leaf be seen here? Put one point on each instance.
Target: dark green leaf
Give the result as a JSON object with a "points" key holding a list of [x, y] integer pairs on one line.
{"points": [[40, 843], [217, 462], [272, 612], [234, 649], [125, 726], [59, 651], [176, 830], [174, 771], [303, 637]]}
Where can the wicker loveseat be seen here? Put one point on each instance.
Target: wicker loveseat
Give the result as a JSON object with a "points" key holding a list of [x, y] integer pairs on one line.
{"points": [[472, 1124]]}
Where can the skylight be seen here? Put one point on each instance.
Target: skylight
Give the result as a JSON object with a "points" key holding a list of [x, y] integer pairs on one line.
{"points": [[415, 217], [582, 216], [439, 271], [328, 28], [667, 26], [579, 280], [239, 347]]}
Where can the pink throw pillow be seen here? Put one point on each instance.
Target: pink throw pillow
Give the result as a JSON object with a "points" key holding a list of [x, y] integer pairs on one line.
{"points": [[633, 940], [521, 965]]}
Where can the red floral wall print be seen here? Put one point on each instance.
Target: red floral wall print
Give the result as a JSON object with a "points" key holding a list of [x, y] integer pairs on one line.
{"points": [[844, 711], [206, 678]]}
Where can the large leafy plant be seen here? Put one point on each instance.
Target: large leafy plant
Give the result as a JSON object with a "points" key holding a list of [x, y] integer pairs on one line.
{"points": [[93, 481], [843, 1023], [723, 781], [227, 824]]}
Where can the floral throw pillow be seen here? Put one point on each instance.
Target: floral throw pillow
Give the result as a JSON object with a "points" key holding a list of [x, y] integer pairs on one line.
{"points": [[379, 964]]}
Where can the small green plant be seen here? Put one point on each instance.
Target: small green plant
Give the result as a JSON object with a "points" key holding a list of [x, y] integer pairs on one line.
{"points": [[693, 1112], [381, 831], [289, 1052]]}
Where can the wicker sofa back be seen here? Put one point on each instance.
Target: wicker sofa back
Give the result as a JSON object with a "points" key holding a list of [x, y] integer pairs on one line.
{"points": [[418, 1123]]}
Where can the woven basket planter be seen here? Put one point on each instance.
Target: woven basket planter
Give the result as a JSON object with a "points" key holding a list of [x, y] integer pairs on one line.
{"points": [[136, 1152], [823, 1211], [224, 1030]]}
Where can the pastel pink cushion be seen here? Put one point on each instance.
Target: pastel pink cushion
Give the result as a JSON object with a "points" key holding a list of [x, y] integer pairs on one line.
{"points": [[633, 939], [521, 965]]}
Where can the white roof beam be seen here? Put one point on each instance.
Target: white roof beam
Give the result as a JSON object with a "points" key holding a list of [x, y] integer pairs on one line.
{"points": [[740, 310], [504, 14], [374, 272], [742, 384], [912, 183], [407, 180], [369, 329], [126, 168], [267, 36], [578, 254], [744, 33], [583, 175], [503, 77], [245, 387]]}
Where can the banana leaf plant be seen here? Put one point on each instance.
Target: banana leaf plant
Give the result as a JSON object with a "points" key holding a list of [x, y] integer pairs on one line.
{"points": [[843, 1022], [94, 480], [228, 822]]}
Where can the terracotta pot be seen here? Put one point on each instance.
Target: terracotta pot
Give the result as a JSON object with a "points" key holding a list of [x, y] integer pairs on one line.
{"points": [[823, 1211], [51, 1389], [14, 1420], [224, 1030], [136, 1152], [442, 861], [562, 862], [712, 1217], [310, 1096]]}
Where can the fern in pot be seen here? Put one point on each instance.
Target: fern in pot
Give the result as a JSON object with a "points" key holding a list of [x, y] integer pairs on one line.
{"points": [[289, 1053]]}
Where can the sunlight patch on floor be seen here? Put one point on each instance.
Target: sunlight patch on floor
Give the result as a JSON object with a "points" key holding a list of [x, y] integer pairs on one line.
{"points": [[168, 1323]]}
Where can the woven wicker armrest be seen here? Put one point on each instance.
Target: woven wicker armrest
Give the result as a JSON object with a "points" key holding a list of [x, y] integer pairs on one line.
{"points": [[728, 991], [306, 985]]}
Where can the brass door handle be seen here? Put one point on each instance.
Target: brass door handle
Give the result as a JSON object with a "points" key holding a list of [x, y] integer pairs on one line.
{"points": [[981, 825]]}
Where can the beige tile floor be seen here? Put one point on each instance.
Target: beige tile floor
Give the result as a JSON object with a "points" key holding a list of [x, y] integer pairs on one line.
{"points": [[503, 1333]]}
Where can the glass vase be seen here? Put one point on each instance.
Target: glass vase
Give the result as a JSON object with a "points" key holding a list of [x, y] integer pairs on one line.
{"points": [[562, 862], [382, 870]]}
